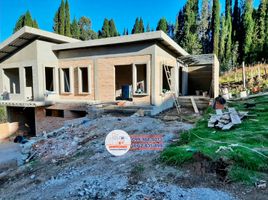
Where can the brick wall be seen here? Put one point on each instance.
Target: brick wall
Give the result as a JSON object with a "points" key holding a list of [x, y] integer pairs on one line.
{"points": [[74, 65]]}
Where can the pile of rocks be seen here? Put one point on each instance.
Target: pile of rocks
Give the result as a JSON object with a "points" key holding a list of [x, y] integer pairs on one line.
{"points": [[225, 120]]}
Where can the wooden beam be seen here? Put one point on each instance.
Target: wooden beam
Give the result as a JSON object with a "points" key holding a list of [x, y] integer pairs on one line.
{"points": [[194, 105]]}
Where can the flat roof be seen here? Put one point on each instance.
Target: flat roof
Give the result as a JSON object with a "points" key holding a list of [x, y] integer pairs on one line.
{"points": [[194, 60], [25, 36], [148, 36]]}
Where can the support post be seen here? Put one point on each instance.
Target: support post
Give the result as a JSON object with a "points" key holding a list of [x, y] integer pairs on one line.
{"points": [[244, 75]]}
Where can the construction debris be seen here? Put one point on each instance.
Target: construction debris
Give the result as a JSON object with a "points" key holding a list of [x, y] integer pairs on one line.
{"points": [[226, 120], [261, 184]]}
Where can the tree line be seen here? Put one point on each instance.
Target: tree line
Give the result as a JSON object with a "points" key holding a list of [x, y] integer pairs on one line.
{"points": [[238, 34]]}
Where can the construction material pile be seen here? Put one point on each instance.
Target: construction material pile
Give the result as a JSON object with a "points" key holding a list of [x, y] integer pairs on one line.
{"points": [[226, 120], [81, 133]]}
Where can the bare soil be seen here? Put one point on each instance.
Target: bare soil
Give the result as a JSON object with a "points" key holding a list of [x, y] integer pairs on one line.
{"points": [[88, 171]]}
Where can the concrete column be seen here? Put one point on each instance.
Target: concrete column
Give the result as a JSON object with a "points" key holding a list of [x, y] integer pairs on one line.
{"points": [[153, 77], [134, 78], [22, 82], [38, 86], [176, 81]]}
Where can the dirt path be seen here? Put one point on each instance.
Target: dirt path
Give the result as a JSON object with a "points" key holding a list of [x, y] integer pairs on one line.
{"points": [[93, 173]]}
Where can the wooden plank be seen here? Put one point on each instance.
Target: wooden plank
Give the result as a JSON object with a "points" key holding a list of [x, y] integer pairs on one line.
{"points": [[194, 105]]}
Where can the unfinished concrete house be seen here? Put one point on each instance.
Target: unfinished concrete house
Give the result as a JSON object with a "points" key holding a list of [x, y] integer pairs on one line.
{"points": [[45, 75]]}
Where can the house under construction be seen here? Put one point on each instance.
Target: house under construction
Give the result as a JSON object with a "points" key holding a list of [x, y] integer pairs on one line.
{"points": [[44, 75]]}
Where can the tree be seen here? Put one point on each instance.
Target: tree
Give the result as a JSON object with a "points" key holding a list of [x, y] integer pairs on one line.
{"points": [[67, 27], [203, 27], [35, 24], [28, 21], [56, 22], [85, 29], [112, 29], [228, 21], [248, 27], [179, 27], [25, 20], [61, 21], [148, 29], [75, 30], [19, 23], [215, 26], [236, 21], [136, 27], [190, 41], [266, 33], [125, 31], [105, 31], [262, 26], [141, 26], [162, 25], [223, 35]]}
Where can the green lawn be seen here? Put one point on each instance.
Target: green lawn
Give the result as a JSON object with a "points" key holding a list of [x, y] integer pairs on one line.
{"points": [[249, 142]]}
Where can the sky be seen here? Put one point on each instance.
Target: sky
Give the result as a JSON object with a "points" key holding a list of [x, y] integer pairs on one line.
{"points": [[124, 12]]}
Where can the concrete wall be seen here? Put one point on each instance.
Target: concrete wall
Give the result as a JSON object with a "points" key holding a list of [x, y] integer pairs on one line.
{"points": [[163, 57], [45, 58], [102, 61], [199, 78], [37, 55], [24, 58]]}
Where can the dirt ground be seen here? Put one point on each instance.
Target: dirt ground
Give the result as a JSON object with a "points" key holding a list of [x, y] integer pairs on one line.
{"points": [[74, 164]]}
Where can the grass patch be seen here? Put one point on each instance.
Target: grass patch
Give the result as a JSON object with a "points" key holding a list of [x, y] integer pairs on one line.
{"points": [[248, 135], [3, 114]]}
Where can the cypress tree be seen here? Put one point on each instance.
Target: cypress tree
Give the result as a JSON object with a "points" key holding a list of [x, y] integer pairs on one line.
{"points": [[262, 26], [105, 29], [141, 26], [148, 29], [190, 40], [248, 28], [28, 21], [19, 23], [67, 27], [179, 28], [75, 31], [203, 28], [35, 24], [266, 34], [236, 21], [25, 20], [215, 26], [62, 18], [228, 21], [124, 32], [56, 22], [136, 26], [223, 35], [162, 25], [112, 29]]}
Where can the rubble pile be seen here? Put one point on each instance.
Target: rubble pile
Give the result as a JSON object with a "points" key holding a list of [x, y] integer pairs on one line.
{"points": [[226, 120], [76, 133]]}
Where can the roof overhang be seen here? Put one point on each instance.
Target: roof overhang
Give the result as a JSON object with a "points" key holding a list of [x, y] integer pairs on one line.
{"points": [[198, 60], [159, 36], [25, 36]]}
